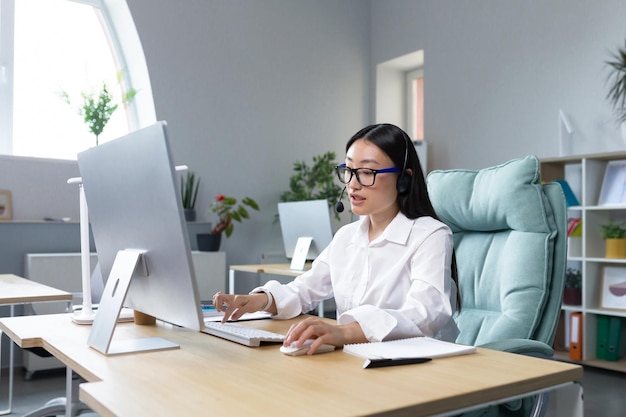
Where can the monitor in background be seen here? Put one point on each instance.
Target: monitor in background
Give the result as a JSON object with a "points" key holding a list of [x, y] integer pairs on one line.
{"points": [[305, 219], [136, 215]]}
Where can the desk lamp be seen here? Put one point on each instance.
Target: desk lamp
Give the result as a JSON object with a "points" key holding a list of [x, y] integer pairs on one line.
{"points": [[86, 314]]}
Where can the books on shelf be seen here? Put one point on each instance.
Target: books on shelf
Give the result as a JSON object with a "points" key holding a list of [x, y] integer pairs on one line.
{"points": [[414, 347], [576, 336], [610, 338], [570, 197]]}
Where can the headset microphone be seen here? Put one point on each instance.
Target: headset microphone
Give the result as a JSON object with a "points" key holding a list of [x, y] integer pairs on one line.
{"points": [[339, 204]]}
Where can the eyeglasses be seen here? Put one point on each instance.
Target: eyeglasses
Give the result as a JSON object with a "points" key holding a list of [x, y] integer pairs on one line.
{"points": [[365, 176]]}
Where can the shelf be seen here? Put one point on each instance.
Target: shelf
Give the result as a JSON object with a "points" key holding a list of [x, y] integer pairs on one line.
{"points": [[619, 366], [585, 175]]}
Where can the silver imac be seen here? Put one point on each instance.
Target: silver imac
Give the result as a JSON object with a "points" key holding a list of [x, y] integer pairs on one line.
{"points": [[140, 235], [305, 219]]}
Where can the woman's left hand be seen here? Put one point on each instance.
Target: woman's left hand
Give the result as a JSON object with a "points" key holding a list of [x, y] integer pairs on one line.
{"points": [[323, 333]]}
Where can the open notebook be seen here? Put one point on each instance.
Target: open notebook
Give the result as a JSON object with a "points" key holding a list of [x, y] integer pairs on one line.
{"points": [[414, 347]]}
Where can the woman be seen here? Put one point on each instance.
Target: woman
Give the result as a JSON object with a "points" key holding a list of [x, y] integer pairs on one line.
{"points": [[392, 273]]}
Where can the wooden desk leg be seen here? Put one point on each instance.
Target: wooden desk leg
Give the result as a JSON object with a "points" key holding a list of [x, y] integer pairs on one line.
{"points": [[11, 366], [69, 393]]}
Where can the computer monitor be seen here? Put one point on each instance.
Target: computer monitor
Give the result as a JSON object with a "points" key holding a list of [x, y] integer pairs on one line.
{"points": [[140, 233], [305, 219]]}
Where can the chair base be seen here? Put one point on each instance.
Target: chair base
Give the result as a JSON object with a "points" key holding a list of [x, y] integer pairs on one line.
{"points": [[58, 406]]}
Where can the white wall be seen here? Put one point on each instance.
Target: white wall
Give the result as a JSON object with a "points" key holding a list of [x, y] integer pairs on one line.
{"points": [[39, 187], [497, 73], [250, 87]]}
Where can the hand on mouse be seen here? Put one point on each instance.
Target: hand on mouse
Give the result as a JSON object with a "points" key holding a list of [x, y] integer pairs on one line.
{"points": [[323, 333]]}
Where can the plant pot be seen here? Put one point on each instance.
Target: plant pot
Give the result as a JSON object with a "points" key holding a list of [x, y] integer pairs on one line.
{"points": [[615, 248], [572, 296], [190, 215], [208, 242]]}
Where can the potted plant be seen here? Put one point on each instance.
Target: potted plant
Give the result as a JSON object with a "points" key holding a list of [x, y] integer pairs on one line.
{"points": [[189, 192], [617, 86], [97, 108], [572, 293], [316, 182], [227, 210], [614, 235]]}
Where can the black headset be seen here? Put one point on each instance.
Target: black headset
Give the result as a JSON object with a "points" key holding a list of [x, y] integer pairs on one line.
{"points": [[403, 185], [404, 180]]}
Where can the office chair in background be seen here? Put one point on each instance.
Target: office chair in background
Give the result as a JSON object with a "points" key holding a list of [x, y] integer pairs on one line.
{"points": [[510, 242]]}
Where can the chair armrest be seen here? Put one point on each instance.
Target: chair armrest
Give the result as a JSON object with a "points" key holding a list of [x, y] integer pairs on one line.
{"points": [[523, 347]]}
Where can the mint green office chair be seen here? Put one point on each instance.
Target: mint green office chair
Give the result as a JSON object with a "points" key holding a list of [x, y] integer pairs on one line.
{"points": [[510, 241]]}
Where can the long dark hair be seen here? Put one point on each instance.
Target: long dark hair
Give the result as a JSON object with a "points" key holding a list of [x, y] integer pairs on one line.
{"points": [[413, 200]]}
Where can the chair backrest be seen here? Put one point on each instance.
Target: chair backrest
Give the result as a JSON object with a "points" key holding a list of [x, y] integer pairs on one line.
{"points": [[510, 241]]}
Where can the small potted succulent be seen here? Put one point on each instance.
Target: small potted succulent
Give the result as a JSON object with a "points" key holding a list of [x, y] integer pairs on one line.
{"points": [[614, 235], [572, 293]]}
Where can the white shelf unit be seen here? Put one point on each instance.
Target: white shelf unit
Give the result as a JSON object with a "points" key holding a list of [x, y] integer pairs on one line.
{"points": [[585, 174]]}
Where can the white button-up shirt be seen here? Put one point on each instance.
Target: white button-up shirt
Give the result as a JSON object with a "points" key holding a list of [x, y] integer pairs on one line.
{"points": [[398, 285]]}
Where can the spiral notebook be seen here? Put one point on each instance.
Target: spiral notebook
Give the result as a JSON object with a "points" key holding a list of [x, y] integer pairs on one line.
{"points": [[414, 347]]}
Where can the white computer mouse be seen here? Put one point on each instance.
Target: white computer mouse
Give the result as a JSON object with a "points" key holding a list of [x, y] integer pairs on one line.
{"points": [[292, 350]]}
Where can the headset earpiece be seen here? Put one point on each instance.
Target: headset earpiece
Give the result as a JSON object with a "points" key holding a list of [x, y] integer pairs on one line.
{"points": [[403, 185]]}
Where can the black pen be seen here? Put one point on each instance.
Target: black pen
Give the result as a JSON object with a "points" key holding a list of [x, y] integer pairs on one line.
{"points": [[379, 363]]}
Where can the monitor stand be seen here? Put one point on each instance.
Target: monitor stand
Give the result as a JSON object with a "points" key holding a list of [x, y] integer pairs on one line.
{"points": [[101, 335], [300, 253]]}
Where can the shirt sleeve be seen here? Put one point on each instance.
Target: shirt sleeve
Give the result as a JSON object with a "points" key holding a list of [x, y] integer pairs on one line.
{"points": [[304, 293]]}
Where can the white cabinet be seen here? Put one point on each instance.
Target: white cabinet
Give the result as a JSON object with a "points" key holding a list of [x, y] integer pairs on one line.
{"points": [[585, 175]]}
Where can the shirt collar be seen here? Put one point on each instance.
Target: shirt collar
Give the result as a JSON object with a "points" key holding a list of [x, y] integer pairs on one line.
{"points": [[397, 231]]}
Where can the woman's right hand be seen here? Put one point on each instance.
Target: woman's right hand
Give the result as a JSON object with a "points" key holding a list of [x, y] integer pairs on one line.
{"points": [[236, 305]]}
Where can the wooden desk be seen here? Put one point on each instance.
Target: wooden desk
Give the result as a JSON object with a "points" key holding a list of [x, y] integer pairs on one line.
{"points": [[15, 290], [208, 375]]}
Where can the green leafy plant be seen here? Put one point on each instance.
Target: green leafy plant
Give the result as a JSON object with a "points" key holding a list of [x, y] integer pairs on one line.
{"points": [[613, 231], [314, 182], [617, 83], [189, 190], [227, 210], [573, 278], [98, 107]]}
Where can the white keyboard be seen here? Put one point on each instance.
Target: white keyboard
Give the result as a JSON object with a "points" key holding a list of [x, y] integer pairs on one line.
{"points": [[239, 333]]}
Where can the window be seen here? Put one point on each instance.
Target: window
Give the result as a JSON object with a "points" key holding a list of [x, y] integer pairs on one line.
{"points": [[400, 93], [54, 46], [415, 103]]}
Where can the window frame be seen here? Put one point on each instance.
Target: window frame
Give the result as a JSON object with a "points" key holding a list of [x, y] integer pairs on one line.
{"points": [[122, 34], [411, 103]]}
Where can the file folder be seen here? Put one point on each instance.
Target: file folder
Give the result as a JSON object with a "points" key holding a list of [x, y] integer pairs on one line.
{"points": [[614, 337], [575, 336], [602, 339], [570, 197]]}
